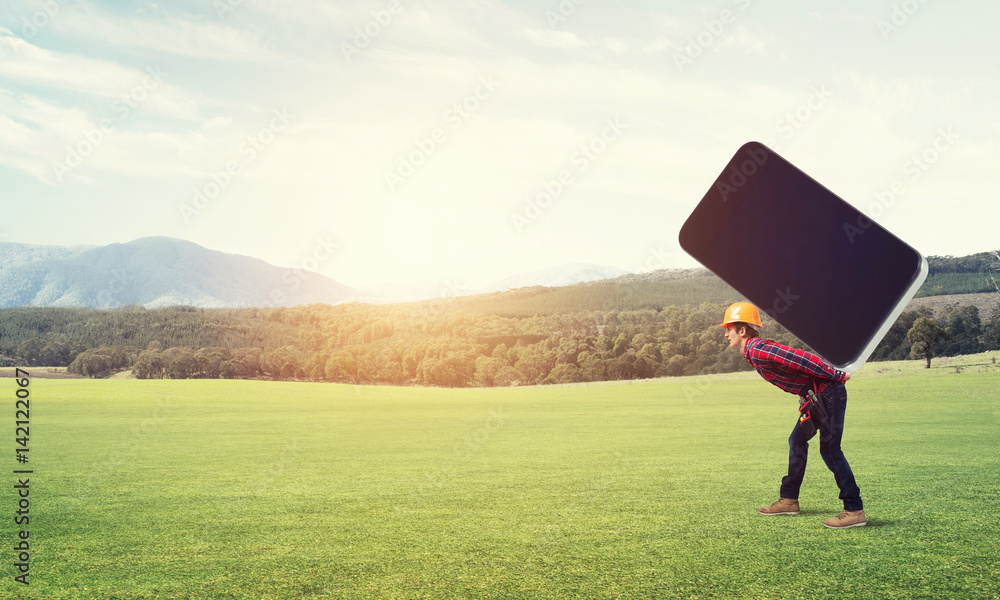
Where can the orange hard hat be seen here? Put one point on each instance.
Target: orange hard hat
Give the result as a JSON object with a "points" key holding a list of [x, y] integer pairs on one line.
{"points": [[741, 312]]}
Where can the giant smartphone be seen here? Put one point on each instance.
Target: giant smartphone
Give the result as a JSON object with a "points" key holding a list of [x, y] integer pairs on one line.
{"points": [[826, 272]]}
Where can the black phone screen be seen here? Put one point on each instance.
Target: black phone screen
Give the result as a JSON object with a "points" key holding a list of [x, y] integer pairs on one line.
{"points": [[814, 263]]}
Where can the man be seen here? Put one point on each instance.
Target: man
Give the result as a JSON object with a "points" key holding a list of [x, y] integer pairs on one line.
{"points": [[797, 371]]}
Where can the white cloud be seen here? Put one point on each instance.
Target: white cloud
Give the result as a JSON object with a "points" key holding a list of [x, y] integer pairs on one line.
{"points": [[615, 45], [122, 88], [658, 45], [22, 61], [555, 89], [136, 33], [750, 43], [58, 144], [553, 39], [218, 123]]}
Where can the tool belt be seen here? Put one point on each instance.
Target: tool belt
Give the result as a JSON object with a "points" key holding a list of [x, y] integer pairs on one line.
{"points": [[812, 413]]}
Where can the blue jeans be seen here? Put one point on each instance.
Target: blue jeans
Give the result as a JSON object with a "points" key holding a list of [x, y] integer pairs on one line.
{"points": [[835, 399]]}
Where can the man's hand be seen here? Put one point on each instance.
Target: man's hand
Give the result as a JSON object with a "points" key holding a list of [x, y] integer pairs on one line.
{"points": [[847, 377]]}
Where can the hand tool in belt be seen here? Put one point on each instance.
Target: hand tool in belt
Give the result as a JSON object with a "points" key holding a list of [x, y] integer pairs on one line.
{"points": [[816, 408]]}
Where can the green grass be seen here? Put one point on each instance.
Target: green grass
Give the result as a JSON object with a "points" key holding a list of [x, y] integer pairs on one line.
{"points": [[247, 489]]}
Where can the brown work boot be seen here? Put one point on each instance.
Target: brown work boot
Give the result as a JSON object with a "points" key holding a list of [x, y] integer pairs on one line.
{"points": [[848, 518], [784, 506]]}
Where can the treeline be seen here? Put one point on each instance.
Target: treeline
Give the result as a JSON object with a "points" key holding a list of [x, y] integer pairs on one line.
{"points": [[423, 345], [983, 262], [956, 330], [134, 327], [691, 287], [431, 343], [962, 274]]}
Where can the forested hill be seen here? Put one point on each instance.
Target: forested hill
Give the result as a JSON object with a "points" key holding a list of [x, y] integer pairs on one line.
{"points": [[690, 287], [962, 274], [648, 291], [637, 326]]}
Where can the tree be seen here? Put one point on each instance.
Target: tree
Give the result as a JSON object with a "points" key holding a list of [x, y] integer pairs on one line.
{"points": [[119, 356], [209, 361], [276, 362], [534, 365], [621, 345], [342, 367], [98, 362], [487, 369], [183, 366], [234, 368], [592, 367], [924, 335], [647, 360], [966, 330], [91, 363], [97, 365], [441, 372], [991, 332], [676, 365], [895, 346], [412, 358], [30, 351], [564, 373], [149, 365], [506, 377], [391, 373], [245, 361], [622, 367]]}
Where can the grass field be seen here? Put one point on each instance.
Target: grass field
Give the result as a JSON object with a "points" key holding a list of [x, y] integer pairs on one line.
{"points": [[249, 489]]}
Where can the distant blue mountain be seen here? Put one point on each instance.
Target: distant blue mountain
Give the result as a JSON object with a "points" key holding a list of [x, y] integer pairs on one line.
{"points": [[558, 276], [153, 271]]}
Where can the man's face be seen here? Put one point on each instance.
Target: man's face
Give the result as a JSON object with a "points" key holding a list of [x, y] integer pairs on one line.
{"points": [[733, 335]]}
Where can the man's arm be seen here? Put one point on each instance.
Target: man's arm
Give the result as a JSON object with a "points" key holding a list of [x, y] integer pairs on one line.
{"points": [[805, 362]]}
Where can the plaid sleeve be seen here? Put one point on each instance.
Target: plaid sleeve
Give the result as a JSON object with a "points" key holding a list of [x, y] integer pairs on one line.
{"points": [[806, 362]]}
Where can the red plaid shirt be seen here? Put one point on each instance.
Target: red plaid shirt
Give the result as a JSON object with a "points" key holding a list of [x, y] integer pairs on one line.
{"points": [[790, 369]]}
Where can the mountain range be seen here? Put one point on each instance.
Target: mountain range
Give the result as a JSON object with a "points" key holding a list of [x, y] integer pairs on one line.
{"points": [[162, 271], [558, 276]]}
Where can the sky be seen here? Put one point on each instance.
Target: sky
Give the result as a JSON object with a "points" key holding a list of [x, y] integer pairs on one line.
{"points": [[465, 141]]}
